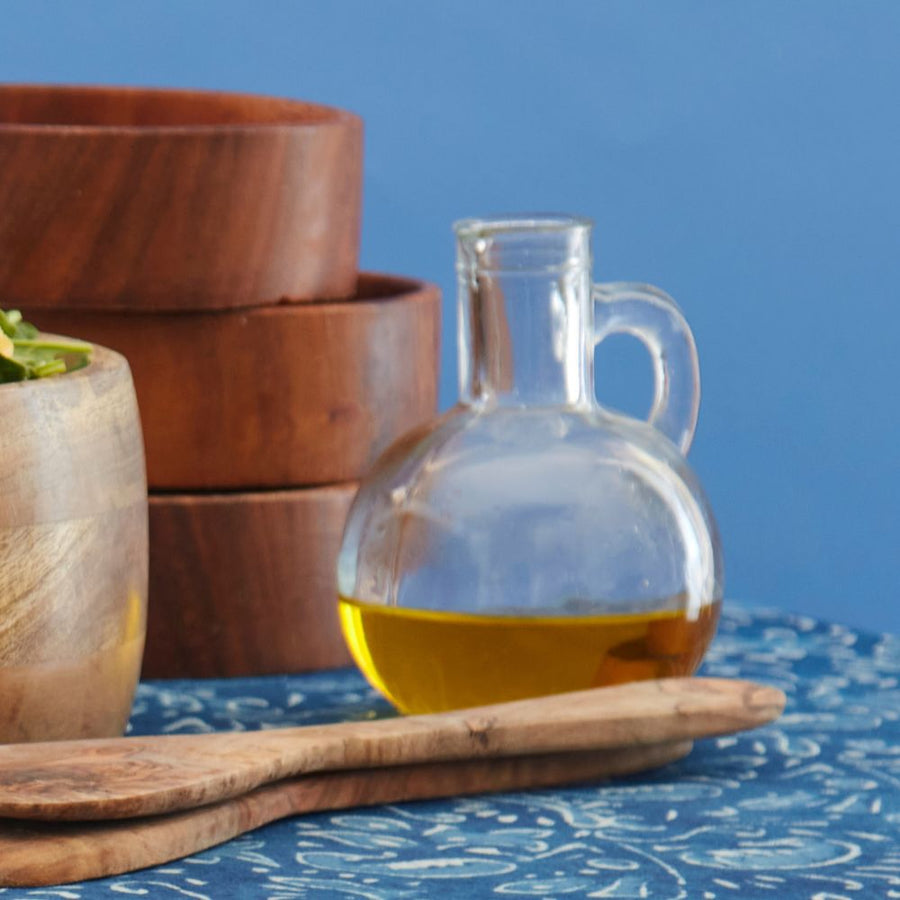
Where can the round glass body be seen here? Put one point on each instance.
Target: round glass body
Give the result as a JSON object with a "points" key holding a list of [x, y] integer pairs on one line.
{"points": [[530, 541]]}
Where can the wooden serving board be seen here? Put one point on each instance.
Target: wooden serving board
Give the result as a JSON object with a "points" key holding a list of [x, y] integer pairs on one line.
{"points": [[284, 396], [139, 199], [244, 583]]}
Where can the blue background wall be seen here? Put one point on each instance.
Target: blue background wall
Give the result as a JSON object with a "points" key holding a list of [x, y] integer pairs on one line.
{"points": [[744, 156]]}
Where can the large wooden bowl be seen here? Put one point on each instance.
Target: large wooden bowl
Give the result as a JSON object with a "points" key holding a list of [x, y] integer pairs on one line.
{"points": [[244, 583], [129, 198], [73, 553], [280, 396]]}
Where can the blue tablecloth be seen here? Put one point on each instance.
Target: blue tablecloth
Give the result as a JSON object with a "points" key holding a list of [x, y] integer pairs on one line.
{"points": [[808, 807]]}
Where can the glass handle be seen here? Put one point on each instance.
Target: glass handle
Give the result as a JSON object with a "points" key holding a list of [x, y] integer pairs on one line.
{"points": [[652, 316]]}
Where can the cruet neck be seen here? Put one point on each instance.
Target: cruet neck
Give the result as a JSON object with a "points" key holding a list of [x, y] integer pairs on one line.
{"points": [[525, 311]]}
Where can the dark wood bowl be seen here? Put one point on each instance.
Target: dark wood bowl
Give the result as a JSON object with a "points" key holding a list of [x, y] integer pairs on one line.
{"points": [[280, 396], [244, 583], [73, 553], [140, 199]]}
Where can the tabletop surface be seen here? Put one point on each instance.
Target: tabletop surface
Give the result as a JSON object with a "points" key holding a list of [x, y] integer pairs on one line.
{"points": [[808, 807]]}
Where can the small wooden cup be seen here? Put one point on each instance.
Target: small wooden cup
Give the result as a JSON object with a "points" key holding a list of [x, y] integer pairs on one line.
{"points": [[244, 583], [73, 553], [138, 199], [283, 396]]}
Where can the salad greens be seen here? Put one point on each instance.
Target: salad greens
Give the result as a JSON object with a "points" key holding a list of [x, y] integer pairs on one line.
{"points": [[25, 353]]}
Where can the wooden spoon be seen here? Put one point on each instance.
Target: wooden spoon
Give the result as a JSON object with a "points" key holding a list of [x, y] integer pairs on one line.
{"points": [[33, 854], [126, 777]]}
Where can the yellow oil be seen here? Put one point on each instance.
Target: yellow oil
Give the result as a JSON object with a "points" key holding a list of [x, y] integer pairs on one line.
{"points": [[426, 661]]}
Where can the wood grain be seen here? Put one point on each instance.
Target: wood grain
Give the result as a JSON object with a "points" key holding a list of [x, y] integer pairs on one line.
{"points": [[244, 583], [150, 775], [277, 397], [73, 552], [33, 854], [131, 198]]}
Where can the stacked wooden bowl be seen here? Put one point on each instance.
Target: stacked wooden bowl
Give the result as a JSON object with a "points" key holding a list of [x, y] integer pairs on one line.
{"points": [[213, 240]]}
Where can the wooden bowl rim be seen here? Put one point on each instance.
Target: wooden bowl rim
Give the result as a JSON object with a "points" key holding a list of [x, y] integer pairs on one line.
{"points": [[292, 115], [373, 290], [212, 498]]}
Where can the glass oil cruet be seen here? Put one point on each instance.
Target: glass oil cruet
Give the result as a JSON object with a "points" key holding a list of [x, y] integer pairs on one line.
{"points": [[530, 541]]}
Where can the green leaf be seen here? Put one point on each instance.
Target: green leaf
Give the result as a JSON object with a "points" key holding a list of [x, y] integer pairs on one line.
{"points": [[12, 370], [8, 323], [37, 357]]}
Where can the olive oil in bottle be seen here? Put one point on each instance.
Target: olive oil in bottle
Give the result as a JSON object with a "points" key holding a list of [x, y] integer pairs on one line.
{"points": [[426, 661]]}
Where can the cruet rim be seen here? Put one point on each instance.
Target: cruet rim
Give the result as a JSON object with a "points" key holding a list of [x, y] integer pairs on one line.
{"points": [[506, 223]]}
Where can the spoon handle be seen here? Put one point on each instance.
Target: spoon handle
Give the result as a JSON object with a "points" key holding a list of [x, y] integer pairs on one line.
{"points": [[35, 854], [126, 777]]}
